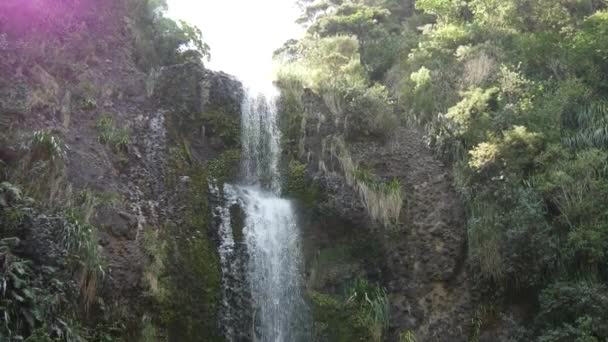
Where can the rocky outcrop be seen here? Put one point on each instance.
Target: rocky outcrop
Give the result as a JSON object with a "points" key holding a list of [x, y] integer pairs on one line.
{"points": [[422, 262], [175, 122]]}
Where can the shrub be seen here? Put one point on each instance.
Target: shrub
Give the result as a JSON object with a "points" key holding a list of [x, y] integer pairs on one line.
{"points": [[161, 41], [573, 311], [515, 249], [368, 112]]}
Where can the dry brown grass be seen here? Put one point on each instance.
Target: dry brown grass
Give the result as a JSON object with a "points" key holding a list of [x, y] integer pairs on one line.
{"points": [[383, 202]]}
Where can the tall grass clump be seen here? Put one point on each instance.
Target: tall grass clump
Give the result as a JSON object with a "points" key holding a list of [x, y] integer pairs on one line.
{"points": [[407, 336], [42, 168], [590, 126], [374, 304], [109, 134], [79, 238], [156, 251], [485, 239], [382, 200]]}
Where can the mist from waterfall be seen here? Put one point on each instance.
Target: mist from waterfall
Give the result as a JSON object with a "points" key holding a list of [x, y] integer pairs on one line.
{"points": [[269, 264]]}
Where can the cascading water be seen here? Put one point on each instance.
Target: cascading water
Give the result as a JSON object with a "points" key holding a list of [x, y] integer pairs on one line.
{"points": [[271, 261]]}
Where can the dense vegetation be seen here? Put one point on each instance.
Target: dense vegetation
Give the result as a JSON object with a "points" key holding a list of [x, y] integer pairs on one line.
{"points": [[53, 270], [512, 95]]}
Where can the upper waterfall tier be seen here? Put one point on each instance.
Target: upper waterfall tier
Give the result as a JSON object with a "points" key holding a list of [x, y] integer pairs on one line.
{"points": [[261, 142]]}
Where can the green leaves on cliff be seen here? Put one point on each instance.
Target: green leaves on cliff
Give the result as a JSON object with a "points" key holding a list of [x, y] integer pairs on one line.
{"points": [[161, 41], [524, 125], [361, 314], [511, 94], [117, 138]]}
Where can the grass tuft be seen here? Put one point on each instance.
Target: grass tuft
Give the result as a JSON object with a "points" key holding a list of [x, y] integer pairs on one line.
{"points": [[383, 200], [116, 138]]}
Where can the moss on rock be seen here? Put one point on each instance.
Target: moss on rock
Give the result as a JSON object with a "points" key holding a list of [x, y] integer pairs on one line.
{"points": [[225, 167], [191, 293], [223, 126], [297, 185]]}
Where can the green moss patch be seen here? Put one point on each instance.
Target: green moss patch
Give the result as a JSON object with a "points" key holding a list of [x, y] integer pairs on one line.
{"points": [[297, 185], [225, 168], [223, 125]]}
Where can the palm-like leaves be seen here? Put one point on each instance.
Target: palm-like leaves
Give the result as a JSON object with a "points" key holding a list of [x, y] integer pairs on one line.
{"points": [[589, 127]]}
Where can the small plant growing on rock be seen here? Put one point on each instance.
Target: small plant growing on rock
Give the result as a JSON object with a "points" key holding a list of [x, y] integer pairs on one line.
{"points": [[80, 239], [383, 200], [116, 138], [42, 168], [373, 301], [407, 336], [45, 146]]}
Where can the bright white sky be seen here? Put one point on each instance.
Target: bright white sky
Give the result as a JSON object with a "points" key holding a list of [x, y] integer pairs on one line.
{"points": [[242, 34]]}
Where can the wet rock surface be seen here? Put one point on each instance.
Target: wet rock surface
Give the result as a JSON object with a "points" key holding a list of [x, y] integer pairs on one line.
{"points": [[423, 258]]}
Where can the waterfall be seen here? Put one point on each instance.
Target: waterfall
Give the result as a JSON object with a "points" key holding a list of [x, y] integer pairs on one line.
{"points": [[269, 265], [260, 138]]}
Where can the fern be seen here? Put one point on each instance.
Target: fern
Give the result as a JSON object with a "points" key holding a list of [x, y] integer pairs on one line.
{"points": [[9, 194], [17, 296]]}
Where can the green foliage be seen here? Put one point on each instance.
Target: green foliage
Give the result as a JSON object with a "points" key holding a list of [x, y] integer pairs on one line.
{"points": [[41, 169], [223, 126], [38, 301], [515, 249], [46, 146], [291, 111], [589, 127], [443, 9], [368, 112], [332, 67], [149, 332], [373, 28], [80, 238], [183, 274], [161, 41], [573, 311], [298, 186], [512, 94], [109, 134], [362, 314], [407, 336], [18, 298], [382, 200], [225, 168]]}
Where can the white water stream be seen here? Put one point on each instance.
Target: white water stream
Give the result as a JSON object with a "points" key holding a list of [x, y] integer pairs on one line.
{"points": [[269, 263]]}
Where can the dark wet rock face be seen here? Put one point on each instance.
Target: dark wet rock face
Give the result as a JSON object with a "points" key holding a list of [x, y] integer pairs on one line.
{"points": [[187, 107], [421, 260]]}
